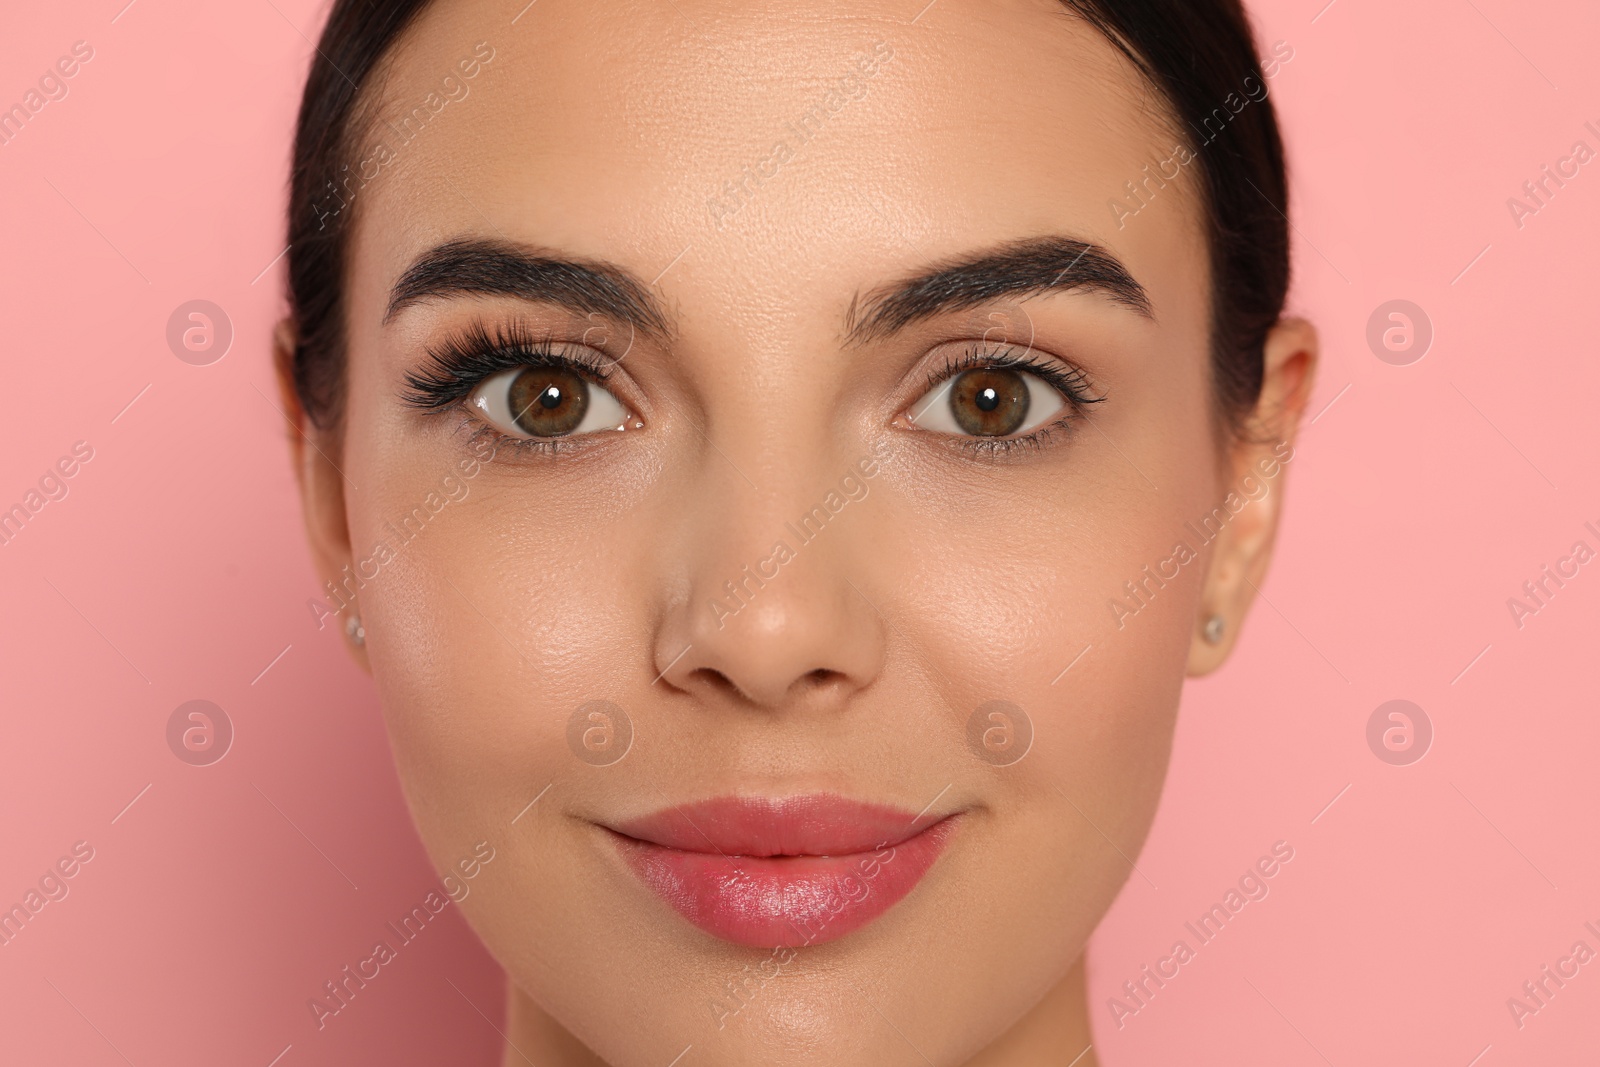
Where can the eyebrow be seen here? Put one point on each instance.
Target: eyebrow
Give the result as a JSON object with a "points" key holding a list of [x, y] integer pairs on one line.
{"points": [[499, 268], [1019, 268]]}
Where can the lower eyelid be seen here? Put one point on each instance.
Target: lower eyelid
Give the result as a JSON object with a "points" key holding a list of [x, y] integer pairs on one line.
{"points": [[1036, 440]]}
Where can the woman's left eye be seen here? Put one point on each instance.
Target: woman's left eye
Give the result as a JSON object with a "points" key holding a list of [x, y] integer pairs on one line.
{"points": [[988, 402], [543, 402]]}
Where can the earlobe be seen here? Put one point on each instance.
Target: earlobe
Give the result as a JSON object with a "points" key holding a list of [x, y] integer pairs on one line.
{"points": [[1256, 474]]}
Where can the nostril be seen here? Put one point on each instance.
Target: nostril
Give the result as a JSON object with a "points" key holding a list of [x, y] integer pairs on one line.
{"points": [[821, 681], [709, 679], [714, 679]]}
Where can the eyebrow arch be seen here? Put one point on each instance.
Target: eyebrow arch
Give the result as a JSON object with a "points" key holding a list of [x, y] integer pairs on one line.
{"points": [[1018, 268], [501, 268]]}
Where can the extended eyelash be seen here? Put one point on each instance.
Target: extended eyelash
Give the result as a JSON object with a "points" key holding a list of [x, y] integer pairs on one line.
{"points": [[1071, 382], [461, 363]]}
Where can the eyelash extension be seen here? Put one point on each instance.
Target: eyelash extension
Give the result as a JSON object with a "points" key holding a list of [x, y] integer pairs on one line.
{"points": [[461, 363], [1071, 382]]}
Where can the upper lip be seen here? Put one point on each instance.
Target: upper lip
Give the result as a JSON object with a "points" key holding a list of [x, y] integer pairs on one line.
{"points": [[815, 824]]}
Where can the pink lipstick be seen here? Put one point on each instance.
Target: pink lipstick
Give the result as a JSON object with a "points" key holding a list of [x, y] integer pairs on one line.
{"points": [[782, 872]]}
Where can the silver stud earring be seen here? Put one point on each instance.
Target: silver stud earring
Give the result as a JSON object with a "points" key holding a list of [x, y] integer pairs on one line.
{"points": [[355, 631], [1213, 629]]}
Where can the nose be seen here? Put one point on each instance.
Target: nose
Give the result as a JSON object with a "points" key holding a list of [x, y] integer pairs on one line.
{"points": [[777, 611]]}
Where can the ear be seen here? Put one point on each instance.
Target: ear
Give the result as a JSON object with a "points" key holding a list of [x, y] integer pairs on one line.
{"points": [[1252, 499], [322, 490]]}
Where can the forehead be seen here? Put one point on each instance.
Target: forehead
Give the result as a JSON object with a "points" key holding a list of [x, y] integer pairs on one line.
{"points": [[849, 138]]}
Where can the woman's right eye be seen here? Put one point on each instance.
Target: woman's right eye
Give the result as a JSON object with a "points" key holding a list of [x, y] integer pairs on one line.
{"points": [[543, 402]]}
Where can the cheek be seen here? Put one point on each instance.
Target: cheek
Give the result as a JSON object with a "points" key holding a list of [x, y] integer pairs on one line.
{"points": [[1008, 579], [1011, 577], [494, 620], [488, 633], [509, 624], [1031, 625]]}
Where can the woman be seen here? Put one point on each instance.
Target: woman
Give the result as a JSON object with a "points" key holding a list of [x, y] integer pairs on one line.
{"points": [[779, 467]]}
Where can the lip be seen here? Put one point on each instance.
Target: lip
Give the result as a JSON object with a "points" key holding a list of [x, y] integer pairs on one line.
{"points": [[782, 872]]}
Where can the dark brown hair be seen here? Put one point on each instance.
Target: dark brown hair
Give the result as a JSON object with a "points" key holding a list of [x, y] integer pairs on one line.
{"points": [[1199, 54]]}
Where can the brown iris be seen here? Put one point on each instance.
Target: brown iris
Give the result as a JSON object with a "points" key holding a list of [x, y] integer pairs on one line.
{"points": [[990, 401], [548, 401]]}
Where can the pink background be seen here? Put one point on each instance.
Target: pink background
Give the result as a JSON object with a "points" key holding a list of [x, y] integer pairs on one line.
{"points": [[1420, 501]]}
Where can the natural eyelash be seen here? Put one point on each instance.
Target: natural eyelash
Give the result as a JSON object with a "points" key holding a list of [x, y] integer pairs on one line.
{"points": [[461, 363], [1071, 382]]}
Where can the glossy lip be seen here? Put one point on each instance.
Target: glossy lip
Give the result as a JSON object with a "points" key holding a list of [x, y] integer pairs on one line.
{"points": [[782, 872]]}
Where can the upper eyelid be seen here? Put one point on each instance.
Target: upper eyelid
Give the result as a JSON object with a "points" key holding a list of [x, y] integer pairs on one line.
{"points": [[448, 377], [1046, 365]]}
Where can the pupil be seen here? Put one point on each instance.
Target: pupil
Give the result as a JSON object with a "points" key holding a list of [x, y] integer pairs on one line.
{"points": [[988, 400], [551, 397]]}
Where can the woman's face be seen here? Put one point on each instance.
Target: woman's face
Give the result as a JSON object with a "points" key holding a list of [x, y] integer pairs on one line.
{"points": [[865, 410]]}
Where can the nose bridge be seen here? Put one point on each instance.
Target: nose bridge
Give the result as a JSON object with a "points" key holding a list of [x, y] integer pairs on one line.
{"points": [[771, 610]]}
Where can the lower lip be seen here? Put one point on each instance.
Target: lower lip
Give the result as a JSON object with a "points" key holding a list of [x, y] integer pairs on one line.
{"points": [[784, 901]]}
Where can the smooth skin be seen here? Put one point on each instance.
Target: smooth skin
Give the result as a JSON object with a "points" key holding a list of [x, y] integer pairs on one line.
{"points": [[602, 130]]}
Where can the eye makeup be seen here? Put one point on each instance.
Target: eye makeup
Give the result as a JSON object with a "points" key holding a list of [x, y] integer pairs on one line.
{"points": [[456, 366], [520, 389]]}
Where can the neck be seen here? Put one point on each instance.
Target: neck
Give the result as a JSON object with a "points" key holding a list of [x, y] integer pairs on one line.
{"points": [[1056, 1030]]}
